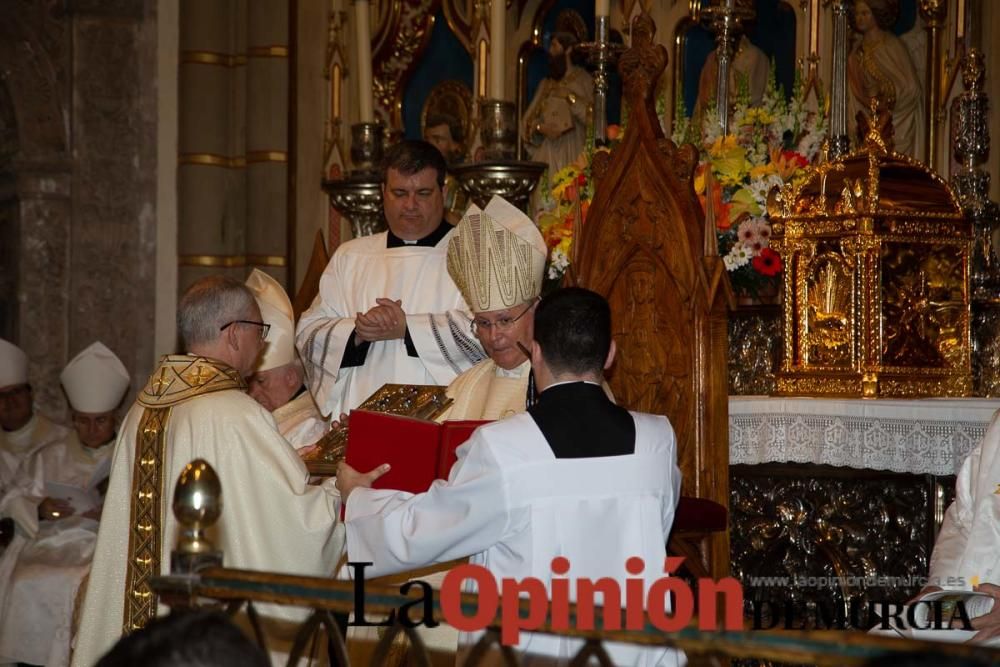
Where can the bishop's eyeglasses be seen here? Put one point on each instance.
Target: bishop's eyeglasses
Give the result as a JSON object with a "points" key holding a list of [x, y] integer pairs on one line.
{"points": [[264, 326], [502, 324]]}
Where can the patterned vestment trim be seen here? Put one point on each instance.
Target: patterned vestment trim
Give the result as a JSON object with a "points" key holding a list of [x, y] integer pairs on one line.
{"points": [[468, 347], [441, 347], [145, 519]]}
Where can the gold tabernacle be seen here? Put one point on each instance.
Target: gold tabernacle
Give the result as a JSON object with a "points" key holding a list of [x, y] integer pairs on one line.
{"points": [[876, 298]]}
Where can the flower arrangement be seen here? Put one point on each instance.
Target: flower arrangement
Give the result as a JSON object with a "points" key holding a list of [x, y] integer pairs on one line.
{"points": [[565, 203], [769, 146]]}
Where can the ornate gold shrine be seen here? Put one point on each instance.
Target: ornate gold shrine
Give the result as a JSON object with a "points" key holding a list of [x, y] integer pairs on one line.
{"points": [[876, 253]]}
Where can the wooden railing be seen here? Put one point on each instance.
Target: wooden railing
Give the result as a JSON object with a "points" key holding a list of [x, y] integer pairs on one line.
{"points": [[243, 589]]}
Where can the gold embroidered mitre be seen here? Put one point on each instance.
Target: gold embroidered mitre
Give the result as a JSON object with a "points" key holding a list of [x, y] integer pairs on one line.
{"points": [[496, 257]]}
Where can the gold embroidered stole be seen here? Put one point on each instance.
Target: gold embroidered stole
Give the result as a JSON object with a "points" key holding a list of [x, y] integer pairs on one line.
{"points": [[179, 378]]}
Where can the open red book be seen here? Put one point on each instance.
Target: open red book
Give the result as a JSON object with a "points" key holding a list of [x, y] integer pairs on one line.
{"points": [[419, 451]]}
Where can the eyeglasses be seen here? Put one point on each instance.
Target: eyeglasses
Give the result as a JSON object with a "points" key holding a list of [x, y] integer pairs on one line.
{"points": [[482, 325], [264, 327]]}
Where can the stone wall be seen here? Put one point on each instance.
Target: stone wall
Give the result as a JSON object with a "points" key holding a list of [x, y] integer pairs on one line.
{"points": [[79, 204]]}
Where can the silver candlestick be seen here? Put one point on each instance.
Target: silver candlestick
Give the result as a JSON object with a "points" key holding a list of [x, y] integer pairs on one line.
{"points": [[840, 142], [603, 54], [725, 19], [972, 183]]}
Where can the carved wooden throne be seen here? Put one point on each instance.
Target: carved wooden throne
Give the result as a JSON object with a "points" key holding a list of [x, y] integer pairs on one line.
{"points": [[645, 247]]}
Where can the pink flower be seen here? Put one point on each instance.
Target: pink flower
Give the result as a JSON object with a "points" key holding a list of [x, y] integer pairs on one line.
{"points": [[747, 232]]}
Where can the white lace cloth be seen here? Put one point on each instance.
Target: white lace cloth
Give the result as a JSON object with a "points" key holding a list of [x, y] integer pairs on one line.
{"points": [[915, 436]]}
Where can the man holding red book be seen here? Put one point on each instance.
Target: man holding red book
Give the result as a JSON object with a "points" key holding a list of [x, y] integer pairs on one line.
{"points": [[575, 476]]}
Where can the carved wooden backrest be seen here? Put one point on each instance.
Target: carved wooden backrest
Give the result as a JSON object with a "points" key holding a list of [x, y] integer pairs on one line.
{"points": [[645, 247]]}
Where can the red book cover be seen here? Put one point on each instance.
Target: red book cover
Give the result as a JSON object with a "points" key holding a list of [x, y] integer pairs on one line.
{"points": [[453, 434], [418, 451]]}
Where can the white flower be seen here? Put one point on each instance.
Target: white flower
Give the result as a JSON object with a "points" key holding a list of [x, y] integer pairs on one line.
{"points": [[558, 264], [737, 257], [760, 187]]}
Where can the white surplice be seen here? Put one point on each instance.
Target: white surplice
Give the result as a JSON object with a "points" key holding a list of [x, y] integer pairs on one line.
{"points": [[300, 422], [361, 271], [267, 506], [16, 447], [39, 596], [513, 506], [967, 549]]}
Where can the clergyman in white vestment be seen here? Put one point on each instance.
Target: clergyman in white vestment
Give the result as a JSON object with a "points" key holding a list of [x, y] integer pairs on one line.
{"points": [[38, 598], [195, 406], [967, 548], [575, 476], [497, 259], [277, 382], [387, 311]]}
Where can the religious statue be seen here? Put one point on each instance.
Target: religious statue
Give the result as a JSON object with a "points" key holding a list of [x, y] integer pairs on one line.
{"points": [[445, 123], [749, 65], [879, 65], [555, 123]]}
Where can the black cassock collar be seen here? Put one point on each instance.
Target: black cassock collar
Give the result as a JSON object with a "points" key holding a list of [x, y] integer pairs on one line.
{"points": [[429, 241], [578, 420]]}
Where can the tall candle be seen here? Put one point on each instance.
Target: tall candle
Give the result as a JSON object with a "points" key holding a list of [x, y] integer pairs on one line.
{"points": [[960, 24], [498, 38], [363, 39], [813, 27], [602, 8]]}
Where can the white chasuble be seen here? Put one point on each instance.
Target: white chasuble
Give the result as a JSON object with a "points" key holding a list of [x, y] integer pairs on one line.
{"points": [[39, 597], [487, 391], [197, 408], [513, 506], [299, 421], [361, 271]]}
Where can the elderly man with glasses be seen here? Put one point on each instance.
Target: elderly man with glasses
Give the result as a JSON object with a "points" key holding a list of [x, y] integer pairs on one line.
{"points": [[195, 406], [497, 259]]}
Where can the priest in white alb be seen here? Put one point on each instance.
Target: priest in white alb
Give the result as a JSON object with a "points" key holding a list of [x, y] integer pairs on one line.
{"points": [[497, 259], [277, 382], [194, 406], [387, 311], [36, 614]]}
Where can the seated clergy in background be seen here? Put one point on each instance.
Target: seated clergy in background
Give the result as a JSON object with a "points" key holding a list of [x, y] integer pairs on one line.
{"points": [[387, 310], [277, 382], [22, 430], [967, 550], [497, 258], [195, 406], [38, 599], [575, 476]]}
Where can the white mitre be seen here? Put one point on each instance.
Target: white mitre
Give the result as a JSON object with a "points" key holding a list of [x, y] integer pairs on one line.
{"points": [[95, 380], [497, 257], [13, 364], [276, 310]]}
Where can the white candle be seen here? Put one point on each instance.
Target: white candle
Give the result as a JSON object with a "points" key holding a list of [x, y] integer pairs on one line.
{"points": [[960, 24], [813, 27], [363, 39], [498, 37], [602, 8]]}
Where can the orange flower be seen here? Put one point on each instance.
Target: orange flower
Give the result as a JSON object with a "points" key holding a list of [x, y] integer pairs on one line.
{"points": [[613, 132], [787, 162], [722, 210]]}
